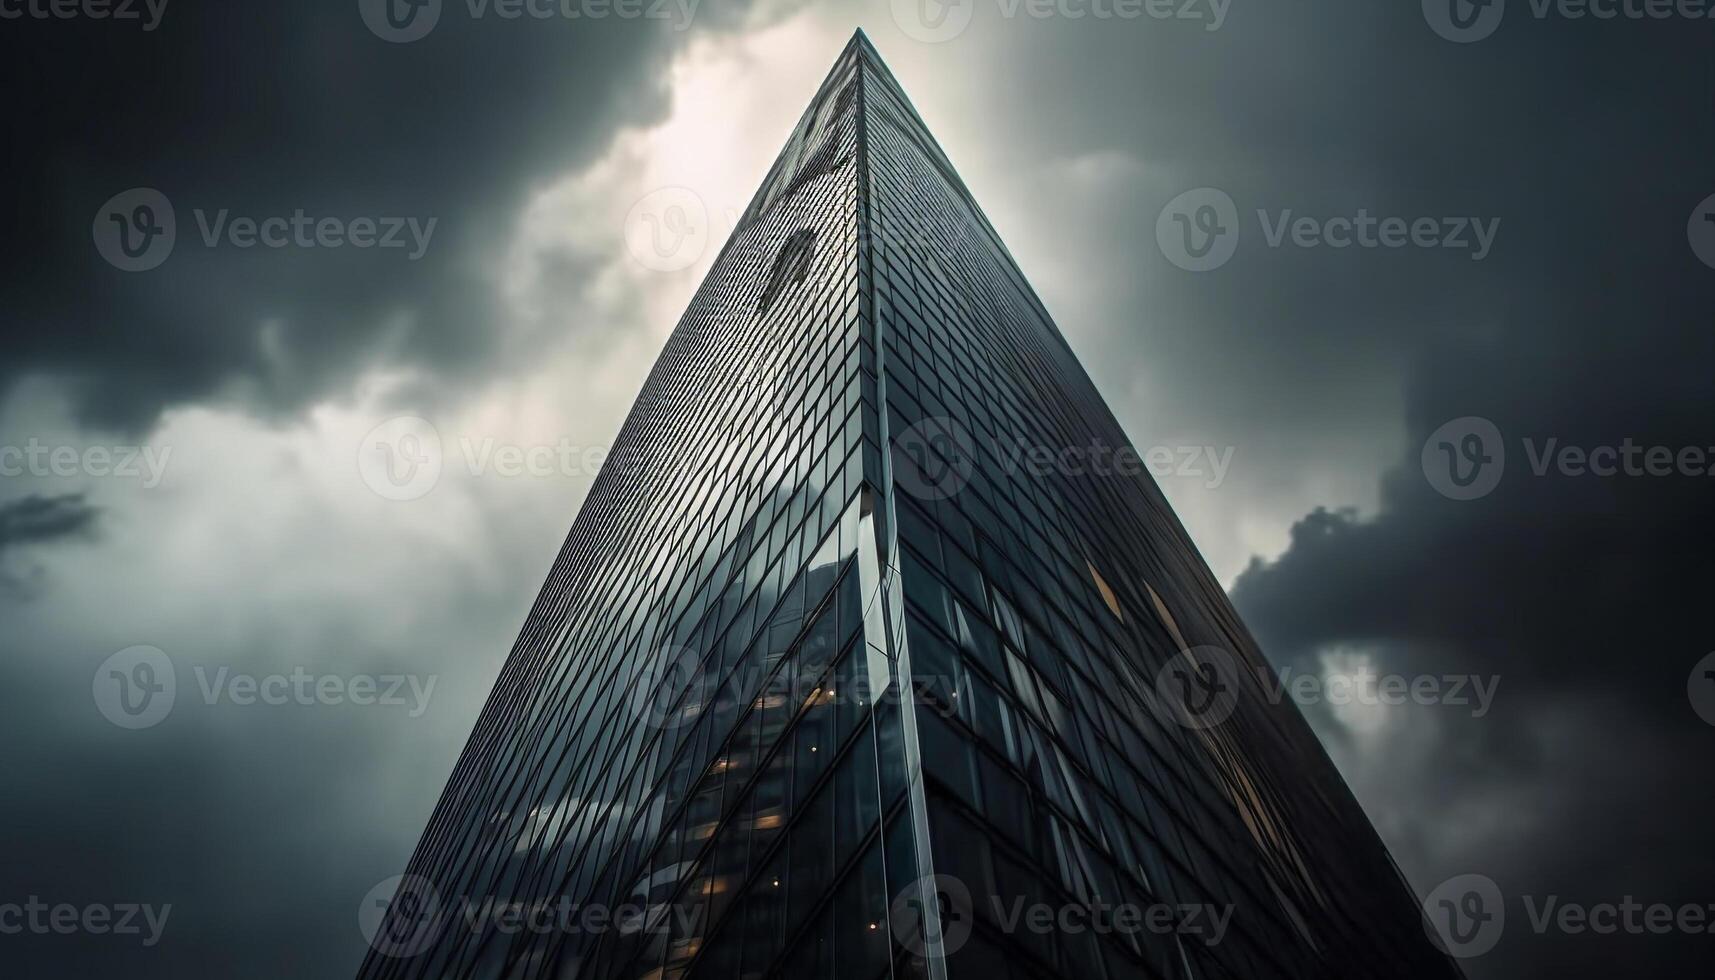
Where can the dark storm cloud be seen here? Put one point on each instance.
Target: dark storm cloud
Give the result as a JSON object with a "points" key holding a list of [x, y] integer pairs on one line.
{"points": [[1585, 596], [1585, 139], [37, 519], [1587, 325], [263, 110]]}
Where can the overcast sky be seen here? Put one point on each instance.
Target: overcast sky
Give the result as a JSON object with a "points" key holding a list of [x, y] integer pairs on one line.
{"points": [[1556, 291]]}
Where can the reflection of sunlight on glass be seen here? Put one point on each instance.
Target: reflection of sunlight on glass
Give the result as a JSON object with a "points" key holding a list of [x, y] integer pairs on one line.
{"points": [[1349, 686]]}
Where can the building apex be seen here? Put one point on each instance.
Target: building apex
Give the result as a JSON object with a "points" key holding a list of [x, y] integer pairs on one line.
{"points": [[861, 40]]}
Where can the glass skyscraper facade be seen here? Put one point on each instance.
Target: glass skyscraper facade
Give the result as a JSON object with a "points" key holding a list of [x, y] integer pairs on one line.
{"points": [[834, 678]]}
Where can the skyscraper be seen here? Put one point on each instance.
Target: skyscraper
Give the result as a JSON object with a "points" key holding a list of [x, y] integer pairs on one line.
{"points": [[874, 653]]}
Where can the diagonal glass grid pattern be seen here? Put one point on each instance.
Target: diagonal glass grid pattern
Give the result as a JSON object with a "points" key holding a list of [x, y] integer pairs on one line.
{"points": [[782, 682]]}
